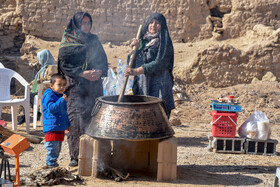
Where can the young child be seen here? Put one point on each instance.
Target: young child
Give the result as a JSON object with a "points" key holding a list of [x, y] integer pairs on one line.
{"points": [[55, 118]]}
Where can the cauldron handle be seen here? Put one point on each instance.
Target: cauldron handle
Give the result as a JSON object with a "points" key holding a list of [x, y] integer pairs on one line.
{"points": [[96, 107]]}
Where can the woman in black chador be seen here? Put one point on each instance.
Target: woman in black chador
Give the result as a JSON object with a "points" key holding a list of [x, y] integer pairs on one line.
{"points": [[83, 61], [154, 62]]}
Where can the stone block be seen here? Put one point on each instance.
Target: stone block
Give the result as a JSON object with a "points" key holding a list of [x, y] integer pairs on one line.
{"points": [[226, 145], [261, 147], [85, 154], [167, 159]]}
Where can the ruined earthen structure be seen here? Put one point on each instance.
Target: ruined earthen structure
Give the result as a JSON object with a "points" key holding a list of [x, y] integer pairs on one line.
{"points": [[225, 65], [118, 20], [188, 21]]}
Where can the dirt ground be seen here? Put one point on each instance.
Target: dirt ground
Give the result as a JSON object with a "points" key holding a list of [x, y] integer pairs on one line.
{"points": [[196, 166]]}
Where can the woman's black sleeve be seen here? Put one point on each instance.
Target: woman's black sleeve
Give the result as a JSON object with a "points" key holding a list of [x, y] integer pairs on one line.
{"points": [[71, 60], [97, 56]]}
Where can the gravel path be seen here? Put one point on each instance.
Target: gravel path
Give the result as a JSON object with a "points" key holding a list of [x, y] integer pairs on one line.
{"points": [[196, 165], [34, 157]]}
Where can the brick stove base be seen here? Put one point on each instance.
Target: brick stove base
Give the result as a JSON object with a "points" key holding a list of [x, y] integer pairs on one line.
{"points": [[156, 158]]}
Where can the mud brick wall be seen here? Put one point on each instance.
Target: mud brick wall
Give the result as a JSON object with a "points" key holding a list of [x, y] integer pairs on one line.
{"points": [[116, 20]]}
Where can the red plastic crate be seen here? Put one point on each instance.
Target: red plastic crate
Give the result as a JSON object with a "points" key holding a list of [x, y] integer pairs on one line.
{"points": [[224, 124]]}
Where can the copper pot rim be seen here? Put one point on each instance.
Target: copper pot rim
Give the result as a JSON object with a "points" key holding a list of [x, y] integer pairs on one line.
{"points": [[154, 100], [132, 139]]}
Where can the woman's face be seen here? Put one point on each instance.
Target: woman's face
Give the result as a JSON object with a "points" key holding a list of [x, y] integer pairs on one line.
{"points": [[154, 26], [85, 25]]}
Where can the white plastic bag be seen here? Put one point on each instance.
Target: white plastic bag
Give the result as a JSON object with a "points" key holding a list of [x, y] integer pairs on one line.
{"points": [[122, 65], [113, 83], [109, 83], [264, 130], [256, 127]]}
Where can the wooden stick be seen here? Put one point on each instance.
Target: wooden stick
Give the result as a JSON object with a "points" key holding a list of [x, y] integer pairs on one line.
{"points": [[130, 64], [31, 138]]}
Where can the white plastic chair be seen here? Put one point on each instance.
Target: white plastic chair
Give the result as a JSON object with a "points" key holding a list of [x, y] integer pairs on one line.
{"points": [[38, 103], [5, 98]]}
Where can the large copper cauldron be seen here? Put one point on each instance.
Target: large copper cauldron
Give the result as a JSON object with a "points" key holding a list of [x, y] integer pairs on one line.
{"points": [[136, 118]]}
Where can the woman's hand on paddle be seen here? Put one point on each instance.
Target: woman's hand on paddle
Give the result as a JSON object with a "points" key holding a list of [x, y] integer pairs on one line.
{"points": [[129, 71], [135, 43], [133, 71]]}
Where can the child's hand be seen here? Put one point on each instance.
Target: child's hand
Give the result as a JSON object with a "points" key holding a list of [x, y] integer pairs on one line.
{"points": [[65, 97], [67, 130]]}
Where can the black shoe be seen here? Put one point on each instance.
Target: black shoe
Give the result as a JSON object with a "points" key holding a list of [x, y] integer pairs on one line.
{"points": [[73, 163], [39, 116], [21, 120]]}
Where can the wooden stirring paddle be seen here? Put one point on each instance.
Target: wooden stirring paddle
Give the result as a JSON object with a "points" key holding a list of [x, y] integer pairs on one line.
{"points": [[130, 64]]}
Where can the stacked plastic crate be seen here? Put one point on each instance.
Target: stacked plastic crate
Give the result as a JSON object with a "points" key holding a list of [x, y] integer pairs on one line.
{"points": [[224, 122], [224, 116]]}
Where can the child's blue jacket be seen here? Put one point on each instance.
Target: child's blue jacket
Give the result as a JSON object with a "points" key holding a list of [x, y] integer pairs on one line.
{"points": [[55, 116]]}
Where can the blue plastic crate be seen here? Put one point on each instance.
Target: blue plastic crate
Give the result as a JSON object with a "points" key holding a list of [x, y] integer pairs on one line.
{"points": [[226, 107]]}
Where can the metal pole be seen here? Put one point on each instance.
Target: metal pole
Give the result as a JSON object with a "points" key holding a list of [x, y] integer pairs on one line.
{"points": [[17, 183]]}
